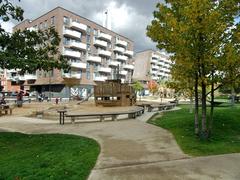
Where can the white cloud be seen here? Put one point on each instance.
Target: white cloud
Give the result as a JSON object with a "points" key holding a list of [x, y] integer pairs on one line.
{"points": [[7, 26]]}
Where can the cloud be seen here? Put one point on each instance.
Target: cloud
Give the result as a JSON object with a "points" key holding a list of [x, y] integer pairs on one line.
{"points": [[129, 17], [7, 26]]}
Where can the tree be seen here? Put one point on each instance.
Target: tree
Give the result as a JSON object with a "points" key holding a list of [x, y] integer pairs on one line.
{"points": [[138, 87], [182, 28], [152, 86], [28, 50]]}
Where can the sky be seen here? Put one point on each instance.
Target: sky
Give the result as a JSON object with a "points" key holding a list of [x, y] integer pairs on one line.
{"points": [[129, 17]]}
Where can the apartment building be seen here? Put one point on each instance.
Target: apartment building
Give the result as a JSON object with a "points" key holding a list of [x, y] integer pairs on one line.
{"points": [[94, 52], [151, 65]]}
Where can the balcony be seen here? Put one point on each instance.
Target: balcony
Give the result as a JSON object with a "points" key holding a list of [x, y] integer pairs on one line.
{"points": [[154, 61], [20, 78], [100, 43], [79, 65], [78, 45], [128, 53], [121, 43], [154, 72], [72, 75], [121, 57], [72, 34], [95, 59], [100, 78], [105, 69], [71, 53], [119, 49], [161, 74], [124, 73], [78, 26], [114, 63], [128, 66], [104, 53], [155, 67], [154, 56], [30, 77], [161, 63], [105, 37], [155, 78]]}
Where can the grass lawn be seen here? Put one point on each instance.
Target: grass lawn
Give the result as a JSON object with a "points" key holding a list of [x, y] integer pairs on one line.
{"points": [[226, 131], [48, 156]]}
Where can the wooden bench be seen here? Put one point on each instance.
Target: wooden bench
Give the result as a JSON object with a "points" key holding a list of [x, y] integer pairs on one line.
{"points": [[131, 114], [5, 108]]}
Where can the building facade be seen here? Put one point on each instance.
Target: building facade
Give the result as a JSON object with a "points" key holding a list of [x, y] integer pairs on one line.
{"points": [[94, 52], [151, 65]]}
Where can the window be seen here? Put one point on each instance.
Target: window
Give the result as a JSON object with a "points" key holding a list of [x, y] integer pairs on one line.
{"points": [[88, 47], [41, 26], [109, 45], [95, 32], [35, 27], [53, 20], [66, 20], [95, 67], [88, 75], [88, 39], [66, 41], [88, 30], [45, 24], [88, 65]]}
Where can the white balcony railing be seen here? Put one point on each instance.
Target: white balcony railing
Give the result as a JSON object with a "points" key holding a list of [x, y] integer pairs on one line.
{"points": [[154, 56], [79, 65], [96, 59], [128, 53], [154, 61], [105, 69], [121, 43], [100, 78], [155, 67], [78, 45], [121, 57], [78, 26], [72, 75], [104, 36], [71, 33], [154, 72], [155, 77], [119, 49], [128, 66], [104, 53], [30, 77], [114, 63], [71, 53], [100, 43], [124, 73]]}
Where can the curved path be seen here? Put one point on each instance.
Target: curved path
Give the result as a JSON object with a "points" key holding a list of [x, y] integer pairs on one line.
{"points": [[130, 149]]}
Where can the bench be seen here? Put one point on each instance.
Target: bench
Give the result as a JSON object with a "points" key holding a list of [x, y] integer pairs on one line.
{"points": [[131, 114], [5, 108], [161, 107]]}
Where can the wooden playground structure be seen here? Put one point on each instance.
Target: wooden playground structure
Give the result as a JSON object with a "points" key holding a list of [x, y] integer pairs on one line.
{"points": [[114, 93]]}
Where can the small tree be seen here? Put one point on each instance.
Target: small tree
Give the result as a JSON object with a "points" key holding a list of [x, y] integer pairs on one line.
{"points": [[153, 86], [138, 87]]}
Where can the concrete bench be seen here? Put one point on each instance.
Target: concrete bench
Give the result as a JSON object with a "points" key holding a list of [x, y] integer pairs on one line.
{"points": [[131, 114], [161, 107]]}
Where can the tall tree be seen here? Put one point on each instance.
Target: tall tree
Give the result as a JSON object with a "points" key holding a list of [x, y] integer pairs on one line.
{"points": [[195, 32], [28, 50]]}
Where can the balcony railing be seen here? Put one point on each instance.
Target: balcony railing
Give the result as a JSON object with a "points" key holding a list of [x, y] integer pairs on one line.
{"points": [[154, 56], [154, 61], [128, 53], [78, 26], [104, 53], [72, 75], [124, 73], [79, 65], [96, 59], [119, 49], [30, 77], [128, 66], [78, 45], [72, 34], [100, 78], [70, 53], [104, 36], [100, 43], [114, 63], [121, 43], [105, 69], [121, 57]]}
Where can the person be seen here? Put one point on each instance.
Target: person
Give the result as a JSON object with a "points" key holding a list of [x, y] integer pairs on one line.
{"points": [[2, 99], [57, 100]]}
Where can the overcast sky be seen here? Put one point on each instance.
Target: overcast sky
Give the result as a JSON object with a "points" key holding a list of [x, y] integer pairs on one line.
{"points": [[129, 17]]}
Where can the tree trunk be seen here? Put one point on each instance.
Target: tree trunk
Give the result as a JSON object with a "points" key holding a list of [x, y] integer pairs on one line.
{"points": [[232, 96], [212, 109], [196, 121], [204, 112], [191, 105]]}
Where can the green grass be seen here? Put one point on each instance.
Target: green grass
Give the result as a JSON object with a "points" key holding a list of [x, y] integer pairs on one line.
{"points": [[52, 156], [225, 137]]}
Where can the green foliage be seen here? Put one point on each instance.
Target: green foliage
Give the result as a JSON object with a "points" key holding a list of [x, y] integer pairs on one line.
{"points": [[51, 156], [224, 140], [28, 50], [137, 86]]}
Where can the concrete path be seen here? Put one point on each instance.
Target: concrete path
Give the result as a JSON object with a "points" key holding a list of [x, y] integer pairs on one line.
{"points": [[133, 149]]}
